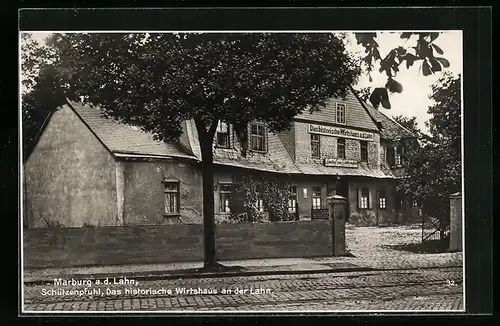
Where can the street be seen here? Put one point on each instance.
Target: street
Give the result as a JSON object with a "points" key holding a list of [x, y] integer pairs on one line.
{"points": [[416, 289]]}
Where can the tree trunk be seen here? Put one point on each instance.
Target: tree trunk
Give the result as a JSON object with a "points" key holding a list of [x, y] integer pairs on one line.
{"points": [[206, 143], [208, 204]]}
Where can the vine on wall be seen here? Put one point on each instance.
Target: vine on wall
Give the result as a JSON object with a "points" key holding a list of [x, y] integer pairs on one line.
{"points": [[275, 192]]}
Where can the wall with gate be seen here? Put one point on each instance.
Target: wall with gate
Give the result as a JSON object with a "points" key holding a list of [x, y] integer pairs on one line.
{"points": [[69, 247]]}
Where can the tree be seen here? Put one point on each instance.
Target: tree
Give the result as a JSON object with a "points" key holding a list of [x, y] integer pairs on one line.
{"points": [[434, 171], [423, 51], [156, 81], [41, 91], [409, 123]]}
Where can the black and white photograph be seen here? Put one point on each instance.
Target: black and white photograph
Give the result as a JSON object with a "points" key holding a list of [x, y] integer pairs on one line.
{"points": [[242, 171]]}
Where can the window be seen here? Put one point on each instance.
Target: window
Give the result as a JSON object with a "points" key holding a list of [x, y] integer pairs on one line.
{"points": [[364, 200], [390, 156], [398, 156], [340, 148], [364, 150], [171, 197], [382, 199], [340, 113], [415, 203], [257, 137], [384, 154], [316, 197], [259, 203], [225, 194], [223, 135], [315, 146], [292, 201]]}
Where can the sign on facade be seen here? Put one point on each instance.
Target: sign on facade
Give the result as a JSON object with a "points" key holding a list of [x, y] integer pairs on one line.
{"points": [[340, 132], [341, 163]]}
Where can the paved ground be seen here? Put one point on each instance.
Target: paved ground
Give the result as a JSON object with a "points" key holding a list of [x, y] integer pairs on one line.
{"points": [[432, 289], [374, 247]]}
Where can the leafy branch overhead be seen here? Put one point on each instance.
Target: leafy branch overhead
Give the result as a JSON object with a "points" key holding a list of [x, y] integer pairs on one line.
{"points": [[424, 51]]}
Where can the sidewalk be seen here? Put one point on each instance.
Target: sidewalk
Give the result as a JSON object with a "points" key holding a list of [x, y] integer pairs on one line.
{"points": [[248, 267]]}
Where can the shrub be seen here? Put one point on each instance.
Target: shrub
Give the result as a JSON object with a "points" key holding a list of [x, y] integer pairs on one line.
{"points": [[275, 192], [52, 224], [363, 218]]}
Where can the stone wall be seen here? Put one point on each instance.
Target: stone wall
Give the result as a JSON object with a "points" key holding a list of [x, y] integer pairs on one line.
{"points": [[68, 247]]}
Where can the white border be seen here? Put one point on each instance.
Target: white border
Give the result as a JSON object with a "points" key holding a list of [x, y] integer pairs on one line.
{"points": [[236, 312]]}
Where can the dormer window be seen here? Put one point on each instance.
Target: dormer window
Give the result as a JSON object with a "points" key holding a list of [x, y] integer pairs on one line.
{"points": [[398, 157], [340, 113], [257, 137], [222, 139]]}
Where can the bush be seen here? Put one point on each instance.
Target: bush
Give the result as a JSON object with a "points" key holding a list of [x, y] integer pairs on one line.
{"points": [[274, 191], [52, 224], [363, 218]]}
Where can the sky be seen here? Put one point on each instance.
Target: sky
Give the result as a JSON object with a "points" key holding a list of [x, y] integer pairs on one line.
{"points": [[414, 100]]}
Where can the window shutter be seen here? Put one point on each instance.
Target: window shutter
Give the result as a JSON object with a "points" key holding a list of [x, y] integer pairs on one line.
{"points": [[231, 137], [371, 198], [266, 139], [359, 197]]}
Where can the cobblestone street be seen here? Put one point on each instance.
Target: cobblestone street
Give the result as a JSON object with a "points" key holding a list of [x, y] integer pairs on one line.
{"points": [[424, 289]]}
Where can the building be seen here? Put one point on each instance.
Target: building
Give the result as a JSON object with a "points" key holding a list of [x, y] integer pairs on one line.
{"points": [[89, 170]]}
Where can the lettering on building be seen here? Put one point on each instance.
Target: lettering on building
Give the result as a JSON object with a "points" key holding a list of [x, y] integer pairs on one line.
{"points": [[341, 163], [340, 132]]}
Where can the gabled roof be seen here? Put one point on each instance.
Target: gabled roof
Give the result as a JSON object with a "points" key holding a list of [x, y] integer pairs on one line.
{"points": [[389, 128], [356, 115], [123, 139]]}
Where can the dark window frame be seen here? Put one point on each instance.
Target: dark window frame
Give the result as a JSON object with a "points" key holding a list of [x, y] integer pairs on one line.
{"points": [[225, 194], [341, 148], [340, 118], [292, 200], [382, 199], [315, 146], [226, 134], [364, 202], [363, 150], [259, 204], [174, 205], [316, 200], [260, 135], [398, 156]]}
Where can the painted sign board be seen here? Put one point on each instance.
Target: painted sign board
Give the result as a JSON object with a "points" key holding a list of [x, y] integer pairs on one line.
{"points": [[340, 132]]}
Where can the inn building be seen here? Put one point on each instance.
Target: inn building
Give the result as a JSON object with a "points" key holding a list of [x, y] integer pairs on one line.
{"points": [[89, 170]]}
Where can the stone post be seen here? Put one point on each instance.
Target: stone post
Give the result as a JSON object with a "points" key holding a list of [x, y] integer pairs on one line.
{"points": [[456, 221], [337, 215]]}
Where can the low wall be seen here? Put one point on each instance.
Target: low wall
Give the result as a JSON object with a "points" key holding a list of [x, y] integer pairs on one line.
{"points": [[69, 247]]}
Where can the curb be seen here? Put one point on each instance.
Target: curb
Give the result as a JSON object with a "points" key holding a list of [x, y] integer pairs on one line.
{"points": [[172, 276]]}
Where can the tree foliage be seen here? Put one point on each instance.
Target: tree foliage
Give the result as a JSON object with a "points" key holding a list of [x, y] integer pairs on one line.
{"points": [[423, 51], [41, 91], [409, 123], [156, 81], [145, 79], [433, 171]]}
